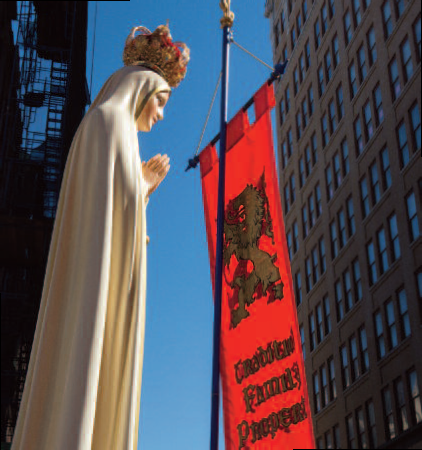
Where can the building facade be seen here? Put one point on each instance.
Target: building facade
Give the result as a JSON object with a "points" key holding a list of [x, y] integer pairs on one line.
{"points": [[43, 94], [350, 173]]}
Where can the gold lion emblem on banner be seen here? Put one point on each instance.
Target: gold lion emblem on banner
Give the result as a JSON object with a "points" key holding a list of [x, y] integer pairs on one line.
{"points": [[247, 219]]}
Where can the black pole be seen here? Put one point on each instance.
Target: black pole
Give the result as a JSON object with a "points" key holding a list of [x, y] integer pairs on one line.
{"points": [[215, 397]]}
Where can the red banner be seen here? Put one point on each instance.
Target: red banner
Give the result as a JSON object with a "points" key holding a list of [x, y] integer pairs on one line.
{"points": [[265, 398]]}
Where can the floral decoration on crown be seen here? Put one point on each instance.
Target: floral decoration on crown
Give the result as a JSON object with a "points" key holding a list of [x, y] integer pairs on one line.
{"points": [[157, 51]]}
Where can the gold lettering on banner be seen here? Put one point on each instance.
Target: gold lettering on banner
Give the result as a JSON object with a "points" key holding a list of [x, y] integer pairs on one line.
{"points": [[271, 425], [275, 351], [255, 395]]}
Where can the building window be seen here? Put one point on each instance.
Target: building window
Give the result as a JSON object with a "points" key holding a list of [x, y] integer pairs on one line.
{"points": [[364, 195], [394, 79], [282, 112], [317, 394], [362, 63], [348, 33], [379, 111], [298, 125], [324, 17], [312, 216], [412, 217], [403, 421], [318, 199], [334, 240], [362, 440], [406, 57], [289, 244], [302, 176], [385, 161], [328, 440], [320, 326], [304, 10], [299, 24], [308, 277], [352, 80], [379, 330], [372, 49], [307, 54], [340, 102], [382, 251], [417, 35], [324, 126], [357, 282], [341, 228], [356, 12], [404, 314], [394, 238], [322, 258], [339, 301], [415, 396], [370, 251], [284, 154], [337, 170], [315, 265], [287, 97], [391, 324], [329, 183], [345, 157], [345, 367], [354, 358], [328, 69], [305, 225], [332, 374], [287, 198], [312, 331], [293, 37], [324, 386], [387, 20], [372, 428], [295, 237], [298, 289], [321, 86], [415, 120], [317, 34], [350, 216], [305, 113], [289, 142], [390, 427], [336, 51], [308, 160], [333, 119], [348, 290], [364, 357], [369, 129], [358, 136], [295, 81], [311, 101], [399, 4], [375, 185], [302, 339], [327, 315]]}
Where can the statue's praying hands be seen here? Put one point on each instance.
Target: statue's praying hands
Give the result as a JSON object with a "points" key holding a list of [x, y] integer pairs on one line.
{"points": [[154, 171]]}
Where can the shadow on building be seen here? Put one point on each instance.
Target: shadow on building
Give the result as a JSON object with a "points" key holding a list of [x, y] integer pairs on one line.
{"points": [[43, 95]]}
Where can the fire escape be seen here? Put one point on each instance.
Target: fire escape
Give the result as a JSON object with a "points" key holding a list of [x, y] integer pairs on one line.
{"points": [[34, 150]]}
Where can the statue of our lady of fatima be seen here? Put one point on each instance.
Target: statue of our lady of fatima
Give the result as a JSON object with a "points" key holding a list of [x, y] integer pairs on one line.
{"points": [[82, 390]]}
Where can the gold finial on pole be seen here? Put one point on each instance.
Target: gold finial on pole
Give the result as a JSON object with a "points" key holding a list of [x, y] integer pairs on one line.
{"points": [[228, 18]]}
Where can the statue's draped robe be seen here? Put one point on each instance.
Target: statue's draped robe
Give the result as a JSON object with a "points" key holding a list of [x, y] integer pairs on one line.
{"points": [[82, 390]]}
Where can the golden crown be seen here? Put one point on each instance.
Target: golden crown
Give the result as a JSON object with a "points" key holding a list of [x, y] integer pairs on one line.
{"points": [[158, 52]]}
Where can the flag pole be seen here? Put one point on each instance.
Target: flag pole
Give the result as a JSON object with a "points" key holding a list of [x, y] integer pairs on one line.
{"points": [[226, 24]]}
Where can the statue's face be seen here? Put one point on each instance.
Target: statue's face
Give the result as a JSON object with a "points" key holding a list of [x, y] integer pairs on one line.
{"points": [[153, 111]]}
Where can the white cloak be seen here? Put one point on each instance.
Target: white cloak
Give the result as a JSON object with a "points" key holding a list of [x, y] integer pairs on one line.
{"points": [[82, 390]]}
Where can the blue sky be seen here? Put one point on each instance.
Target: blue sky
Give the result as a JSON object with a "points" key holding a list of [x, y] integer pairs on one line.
{"points": [[176, 387]]}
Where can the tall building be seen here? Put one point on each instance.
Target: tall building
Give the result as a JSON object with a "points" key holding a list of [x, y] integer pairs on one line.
{"points": [[350, 171], [43, 94]]}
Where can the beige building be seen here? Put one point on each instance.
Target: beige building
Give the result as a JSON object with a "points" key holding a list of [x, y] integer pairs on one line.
{"points": [[350, 171]]}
